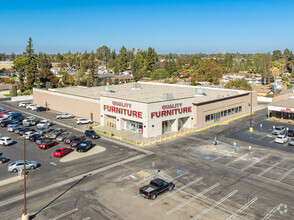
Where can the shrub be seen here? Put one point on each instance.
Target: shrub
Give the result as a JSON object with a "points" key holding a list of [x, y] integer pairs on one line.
{"points": [[13, 91]]}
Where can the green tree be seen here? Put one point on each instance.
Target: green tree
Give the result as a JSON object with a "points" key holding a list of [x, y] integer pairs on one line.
{"points": [[45, 75], [48, 85], [96, 82], [207, 70], [109, 81], [150, 59], [116, 81], [59, 85], [170, 66], [31, 68], [13, 91], [104, 82], [136, 66], [277, 55], [104, 54], [19, 65], [116, 69], [240, 84], [38, 85], [123, 59], [89, 82], [92, 66]]}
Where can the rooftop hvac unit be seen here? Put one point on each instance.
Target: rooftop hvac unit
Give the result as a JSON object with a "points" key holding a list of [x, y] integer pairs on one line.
{"points": [[199, 91], [136, 86], [108, 89], [220, 96], [167, 96]]}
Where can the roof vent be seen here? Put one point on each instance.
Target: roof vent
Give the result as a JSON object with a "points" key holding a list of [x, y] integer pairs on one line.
{"points": [[167, 96], [108, 89], [199, 92], [220, 96], [136, 86]]}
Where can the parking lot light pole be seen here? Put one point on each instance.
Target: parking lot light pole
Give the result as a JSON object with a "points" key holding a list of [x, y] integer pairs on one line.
{"points": [[25, 215]]}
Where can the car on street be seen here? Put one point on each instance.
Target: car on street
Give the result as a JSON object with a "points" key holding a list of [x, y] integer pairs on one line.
{"points": [[64, 116], [34, 137], [17, 165], [47, 144], [84, 146], [81, 121], [40, 139], [281, 138], [92, 134], [76, 141], [55, 133], [60, 152], [62, 136], [279, 130], [290, 133], [28, 134], [291, 142], [6, 141], [68, 139], [41, 109], [156, 187], [23, 104], [3, 159], [43, 123]]}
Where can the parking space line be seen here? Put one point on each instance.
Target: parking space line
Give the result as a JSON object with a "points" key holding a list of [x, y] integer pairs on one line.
{"points": [[255, 162], [227, 154], [285, 175], [196, 139], [177, 176], [272, 141], [268, 215], [269, 168], [192, 199], [64, 214], [261, 137], [242, 208], [239, 158], [176, 191], [215, 204]]}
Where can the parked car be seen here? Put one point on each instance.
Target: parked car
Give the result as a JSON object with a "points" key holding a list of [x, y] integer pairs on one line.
{"points": [[18, 129], [55, 133], [28, 134], [19, 118], [6, 141], [81, 121], [14, 115], [3, 159], [4, 113], [44, 130], [290, 133], [23, 104], [12, 127], [29, 122], [281, 138], [76, 141], [62, 136], [41, 109], [69, 138], [92, 134], [291, 142], [47, 144], [60, 152], [29, 106], [279, 130], [40, 139], [34, 137], [4, 123], [34, 108], [24, 130], [64, 115], [157, 186], [43, 123], [17, 165], [84, 146], [7, 114]]}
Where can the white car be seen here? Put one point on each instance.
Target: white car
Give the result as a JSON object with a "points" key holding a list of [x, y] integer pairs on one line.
{"points": [[281, 139], [34, 108], [6, 141], [6, 115], [80, 121], [43, 123], [23, 104], [30, 118], [28, 134], [29, 106], [64, 115]]}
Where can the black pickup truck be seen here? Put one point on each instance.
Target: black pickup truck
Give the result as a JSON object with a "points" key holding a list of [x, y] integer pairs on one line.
{"points": [[157, 186]]}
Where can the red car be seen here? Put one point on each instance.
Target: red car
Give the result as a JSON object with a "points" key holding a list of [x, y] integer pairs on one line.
{"points": [[47, 144], [60, 152], [4, 113], [77, 140]]}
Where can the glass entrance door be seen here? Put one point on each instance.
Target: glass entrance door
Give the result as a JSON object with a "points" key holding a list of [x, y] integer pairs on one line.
{"points": [[217, 117]]}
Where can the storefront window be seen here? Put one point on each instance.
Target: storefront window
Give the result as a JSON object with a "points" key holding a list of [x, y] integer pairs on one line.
{"points": [[167, 126], [134, 126]]}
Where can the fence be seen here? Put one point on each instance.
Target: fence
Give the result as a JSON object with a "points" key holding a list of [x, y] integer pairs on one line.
{"points": [[22, 98]]}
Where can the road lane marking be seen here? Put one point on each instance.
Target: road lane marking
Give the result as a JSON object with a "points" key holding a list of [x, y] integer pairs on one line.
{"points": [[239, 158], [192, 199], [269, 168], [268, 215], [242, 208], [64, 214], [255, 162], [215, 204], [176, 191], [285, 175]]}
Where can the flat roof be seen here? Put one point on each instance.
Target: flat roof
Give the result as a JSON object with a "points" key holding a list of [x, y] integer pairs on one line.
{"points": [[283, 103], [151, 92]]}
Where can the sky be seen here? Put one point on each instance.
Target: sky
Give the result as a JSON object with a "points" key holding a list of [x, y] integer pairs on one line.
{"points": [[175, 26]]}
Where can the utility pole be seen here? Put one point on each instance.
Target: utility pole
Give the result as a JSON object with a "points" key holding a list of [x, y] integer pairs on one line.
{"points": [[47, 123], [251, 128], [25, 216]]}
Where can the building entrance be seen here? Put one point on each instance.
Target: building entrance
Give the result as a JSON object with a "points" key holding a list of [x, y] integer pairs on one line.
{"points": [[134, 126], [110, 121], [167, 126]]}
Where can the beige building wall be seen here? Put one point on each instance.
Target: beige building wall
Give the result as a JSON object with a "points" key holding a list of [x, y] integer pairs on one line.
{"points": [[201, 110], [78, 106]]}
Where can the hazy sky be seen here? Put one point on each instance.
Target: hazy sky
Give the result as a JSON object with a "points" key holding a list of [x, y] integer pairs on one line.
{"points": [[169, 26]]}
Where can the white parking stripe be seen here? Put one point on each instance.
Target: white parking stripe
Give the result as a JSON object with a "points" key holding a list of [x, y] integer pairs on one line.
{"points": [[64, 214], [268, 215], [192, 199], [243, 208], [227, 154], [255, 162], [177, 177], [285, 175], [272, 141], [261, 138], [239, 158], [215, 204], [269, 168], [175, 191]]}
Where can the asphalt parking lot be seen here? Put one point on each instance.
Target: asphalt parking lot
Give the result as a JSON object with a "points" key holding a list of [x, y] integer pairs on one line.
{"points": [[226, 181]]}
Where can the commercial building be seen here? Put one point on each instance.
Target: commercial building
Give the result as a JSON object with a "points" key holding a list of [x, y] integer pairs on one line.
{"points": [[151, 109], [282, 109]]}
